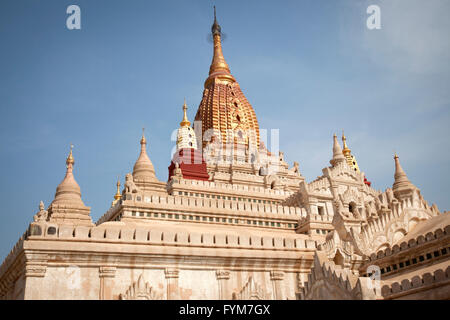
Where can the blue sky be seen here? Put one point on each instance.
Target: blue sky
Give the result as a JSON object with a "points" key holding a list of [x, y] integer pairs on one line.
{"points": [[309, 68]]}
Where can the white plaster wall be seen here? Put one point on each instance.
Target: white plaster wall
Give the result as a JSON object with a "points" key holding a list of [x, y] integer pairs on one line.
{"points": [[198, 284], [67, 283], [289, 285]]}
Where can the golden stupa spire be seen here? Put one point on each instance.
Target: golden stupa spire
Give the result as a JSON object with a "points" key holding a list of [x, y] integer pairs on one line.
{"points": [[70, 160], [186, 136], [185, 122], [143, 140], [219, 68], [346, 151], [118, 195], [351, 160]]}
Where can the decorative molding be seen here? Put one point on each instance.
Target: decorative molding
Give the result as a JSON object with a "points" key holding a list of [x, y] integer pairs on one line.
{"points": [[276, 275], [107, 272], [439, 278], [171, 273], [35, 269], [222, 274], [35, 265]]}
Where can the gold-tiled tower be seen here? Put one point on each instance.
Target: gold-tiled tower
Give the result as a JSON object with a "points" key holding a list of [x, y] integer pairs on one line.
{"points": [[224, 108]]}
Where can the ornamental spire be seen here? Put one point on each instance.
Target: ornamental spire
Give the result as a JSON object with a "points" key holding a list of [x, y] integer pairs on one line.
{"points": [[185, 135], [351, 160], [118, 195], [70, 160], [143, 168], [215, 27], [346, 151], [143, 140], [219, 68], [68, 191], [67, 207], [185, 122], [338, 156], [402, 184]]}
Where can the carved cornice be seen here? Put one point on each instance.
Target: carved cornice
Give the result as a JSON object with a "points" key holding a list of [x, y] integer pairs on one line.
{"points": [[35, 270], [36, 264]]}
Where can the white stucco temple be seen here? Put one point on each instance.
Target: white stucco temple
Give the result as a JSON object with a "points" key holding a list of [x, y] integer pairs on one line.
{"points": [[234, 221]]}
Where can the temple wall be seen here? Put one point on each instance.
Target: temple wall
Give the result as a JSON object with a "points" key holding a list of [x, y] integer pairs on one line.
{"points": [[116, 260], [64, 283], [87, 283]]}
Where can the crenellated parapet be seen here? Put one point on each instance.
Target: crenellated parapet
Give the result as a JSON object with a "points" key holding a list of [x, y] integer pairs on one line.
{"points": [[10, 268], [431, 285], [143, 233], [427, 249]]}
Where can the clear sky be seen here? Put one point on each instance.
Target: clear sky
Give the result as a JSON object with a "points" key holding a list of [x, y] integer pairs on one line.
{"points": [[310, 68]]}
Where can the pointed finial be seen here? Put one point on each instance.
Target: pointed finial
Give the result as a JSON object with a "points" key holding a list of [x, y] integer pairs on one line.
{"points": [[143, 167], [117, 196], [345, 150], [215, 29], [70, 160], [185, 122], [68, 191], [398, 168], [401, 181], [219, 68], [143, 140], [338, 156]]}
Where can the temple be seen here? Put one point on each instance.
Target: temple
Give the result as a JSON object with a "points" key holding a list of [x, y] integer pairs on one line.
{"points": [[234, 221]]}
